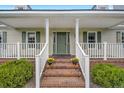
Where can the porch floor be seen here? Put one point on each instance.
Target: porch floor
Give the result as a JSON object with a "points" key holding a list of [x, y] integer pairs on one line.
{"points": [[62, 73]]}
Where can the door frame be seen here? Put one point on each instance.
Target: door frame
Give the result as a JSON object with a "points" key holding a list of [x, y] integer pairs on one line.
{"points": [[55, 44]]}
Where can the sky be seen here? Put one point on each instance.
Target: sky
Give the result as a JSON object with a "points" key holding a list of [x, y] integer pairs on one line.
{"points": [[9, 7]]}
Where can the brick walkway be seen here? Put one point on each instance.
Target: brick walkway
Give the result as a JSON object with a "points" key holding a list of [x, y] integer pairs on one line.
{"points": [[62, 73]]}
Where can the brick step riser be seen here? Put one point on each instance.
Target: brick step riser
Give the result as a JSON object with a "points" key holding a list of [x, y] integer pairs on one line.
{"points": [[76, 75], [57, 86], [62, 67]]}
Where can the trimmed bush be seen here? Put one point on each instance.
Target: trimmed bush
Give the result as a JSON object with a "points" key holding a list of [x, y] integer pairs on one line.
{"points": [[108, 76], [15, 74], [50, 60], [75, 60]]}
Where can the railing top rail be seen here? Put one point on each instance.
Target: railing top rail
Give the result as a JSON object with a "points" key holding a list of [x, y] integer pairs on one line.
{"points": [[22, 43], [81, 49], [100, 43], [42, 49]]}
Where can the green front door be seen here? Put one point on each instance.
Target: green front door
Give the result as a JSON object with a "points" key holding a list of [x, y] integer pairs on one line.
{"points": [[61, 43]]}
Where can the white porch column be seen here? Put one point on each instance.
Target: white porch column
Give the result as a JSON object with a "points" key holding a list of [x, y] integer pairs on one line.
{"points": [[47, 29], [47, 33], [76, 34], [77, 30]]}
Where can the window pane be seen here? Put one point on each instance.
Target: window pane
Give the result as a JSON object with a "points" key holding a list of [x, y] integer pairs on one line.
{"points": [[122, 37], [31, 37], [0, 37], [118, 39], [91, 37], [85, 37]]}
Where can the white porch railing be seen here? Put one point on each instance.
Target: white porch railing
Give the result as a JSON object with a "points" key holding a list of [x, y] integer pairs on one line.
{"points": [[103, 50], [84, 63], [20, 50], [40, 63]]}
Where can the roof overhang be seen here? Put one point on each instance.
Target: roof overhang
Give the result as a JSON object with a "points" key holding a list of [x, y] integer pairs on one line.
{"points": [[62, 19]]}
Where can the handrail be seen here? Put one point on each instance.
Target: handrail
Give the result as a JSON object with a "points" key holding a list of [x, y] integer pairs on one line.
{"points": [[84, 63], [41, 60], [43, 49], [81, 49]]}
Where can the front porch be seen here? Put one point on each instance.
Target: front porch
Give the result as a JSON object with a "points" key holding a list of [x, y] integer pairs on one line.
{"points": [[85, 36]]}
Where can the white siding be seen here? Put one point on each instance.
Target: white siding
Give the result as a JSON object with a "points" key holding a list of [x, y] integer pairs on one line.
{"points": [[109, 36], [13, 36]]}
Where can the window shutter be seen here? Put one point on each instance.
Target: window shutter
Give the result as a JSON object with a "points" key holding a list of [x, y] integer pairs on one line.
{"points": [[37, 37], [118, 37], [38, 40], [23, 37], [4, 37], [98, 37], [84, 37]]}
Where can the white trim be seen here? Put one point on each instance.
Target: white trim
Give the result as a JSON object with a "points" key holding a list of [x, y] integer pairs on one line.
{"points": [[60, 12]]}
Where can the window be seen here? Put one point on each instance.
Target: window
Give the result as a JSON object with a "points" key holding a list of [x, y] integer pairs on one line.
{"points": [[31, 36], [91, 37], [3, 37], [120, 37]]}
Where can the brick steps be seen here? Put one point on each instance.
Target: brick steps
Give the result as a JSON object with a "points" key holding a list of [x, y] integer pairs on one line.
{"points": [[63, 61], [61, 65], [65, 82], [62, 73]]}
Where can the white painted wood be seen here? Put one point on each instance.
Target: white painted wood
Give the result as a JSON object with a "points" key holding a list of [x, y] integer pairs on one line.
{"points": [[47, 32], [105, 51], [87, 72], [18, 50], [41, 60], [77, 30], [37, 69], [84, 64], [47, 29]]}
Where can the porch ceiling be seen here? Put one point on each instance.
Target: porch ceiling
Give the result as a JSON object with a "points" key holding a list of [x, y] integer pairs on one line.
{"points": [[63, 21]]}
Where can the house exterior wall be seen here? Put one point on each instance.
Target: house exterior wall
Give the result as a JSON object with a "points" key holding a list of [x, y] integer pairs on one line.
{"points": [[91, 30], [41, 30], [15, 35], [107, 35]]}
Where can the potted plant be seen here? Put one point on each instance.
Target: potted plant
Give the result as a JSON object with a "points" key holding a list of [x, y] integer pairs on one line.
{"points": [[75, 60], [50, 60]]}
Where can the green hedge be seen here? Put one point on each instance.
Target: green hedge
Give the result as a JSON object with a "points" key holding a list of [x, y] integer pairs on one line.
{"points": [[108, 75], [15, 73]]}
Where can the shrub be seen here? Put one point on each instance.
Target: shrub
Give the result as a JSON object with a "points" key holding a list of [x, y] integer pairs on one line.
{"points": [[50, 60], [75, 60], [15, 73], [108, 75]]}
